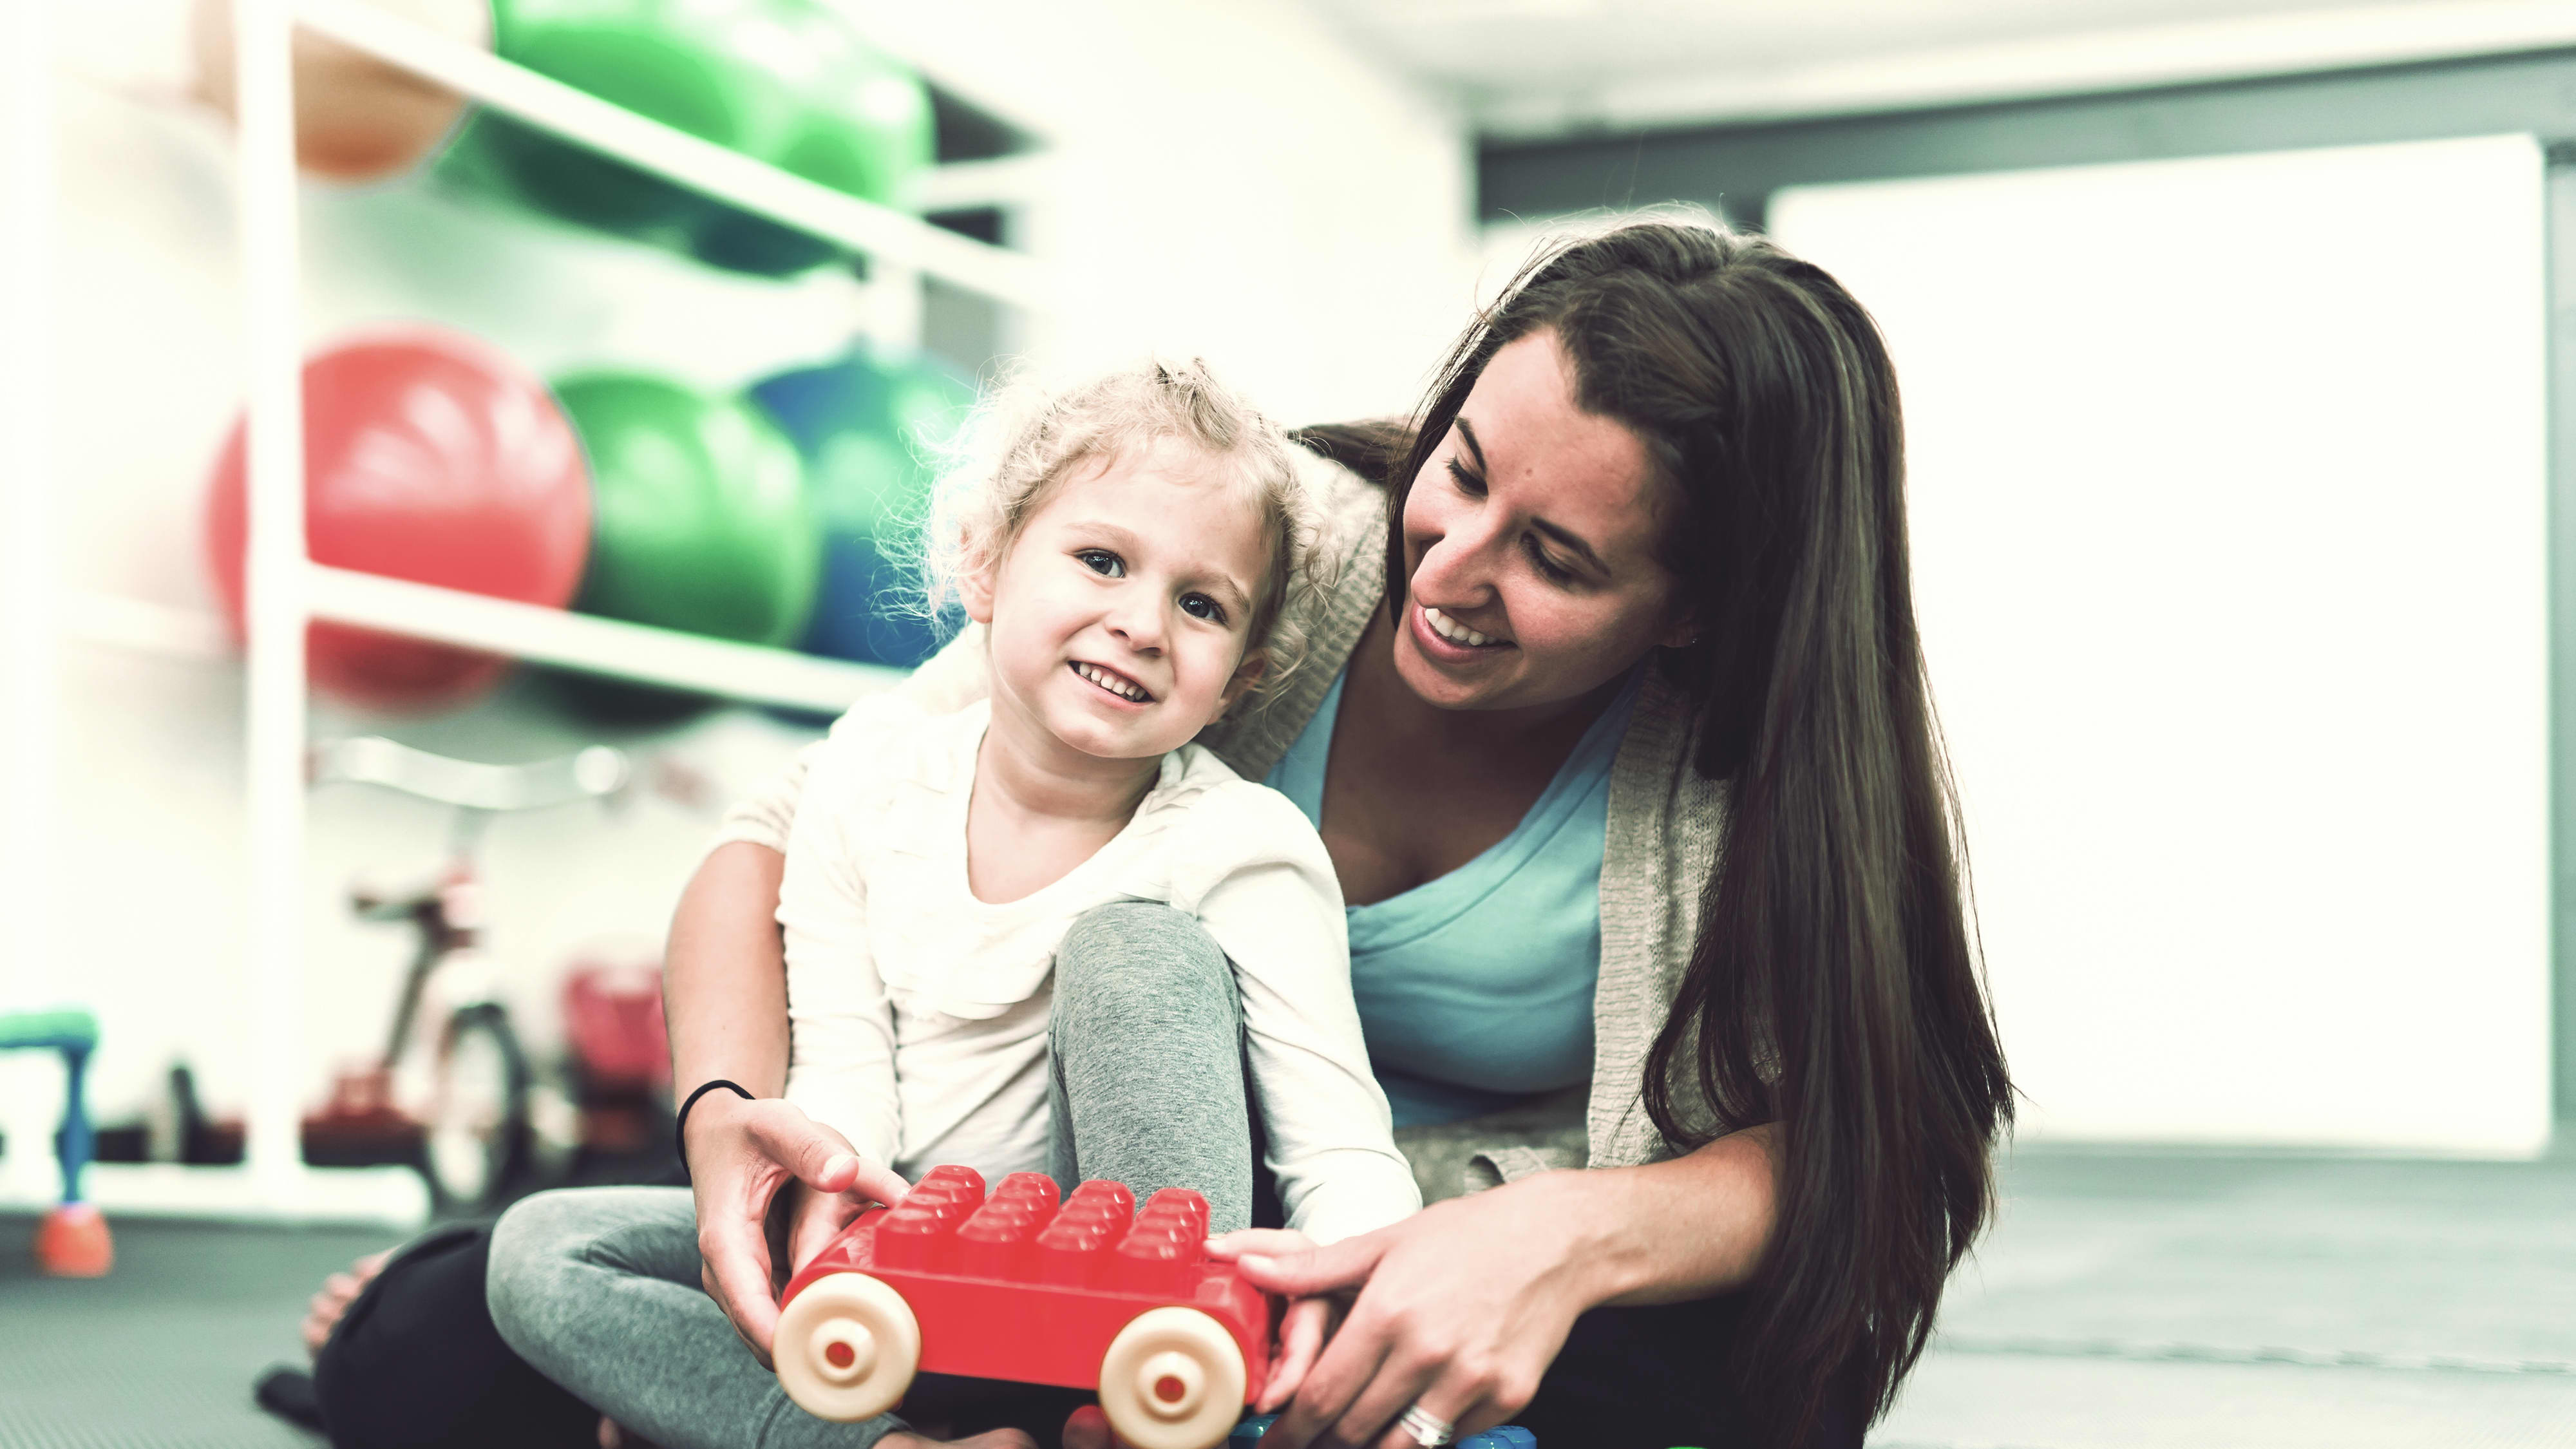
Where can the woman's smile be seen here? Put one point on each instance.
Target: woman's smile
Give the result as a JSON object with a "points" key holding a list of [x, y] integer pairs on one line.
{"points": [[1449, 644]]}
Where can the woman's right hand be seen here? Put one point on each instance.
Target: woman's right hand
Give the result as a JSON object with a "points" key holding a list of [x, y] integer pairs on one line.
{"points": [[1303, 1325], [740, 1154]]}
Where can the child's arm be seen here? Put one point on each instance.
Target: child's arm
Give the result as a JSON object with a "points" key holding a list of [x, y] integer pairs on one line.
{"points": [[840, 1023], [1276, 910]]}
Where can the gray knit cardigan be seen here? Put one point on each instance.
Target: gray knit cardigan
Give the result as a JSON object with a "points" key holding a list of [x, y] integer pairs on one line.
{"points": [[1662, 843]]}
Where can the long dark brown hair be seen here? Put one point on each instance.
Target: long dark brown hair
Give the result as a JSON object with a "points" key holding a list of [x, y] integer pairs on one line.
{"points": [[1833, 990]]}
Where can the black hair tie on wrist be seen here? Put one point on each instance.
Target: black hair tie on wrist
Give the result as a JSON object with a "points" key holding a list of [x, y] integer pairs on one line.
{"points": [[680, 1133]]}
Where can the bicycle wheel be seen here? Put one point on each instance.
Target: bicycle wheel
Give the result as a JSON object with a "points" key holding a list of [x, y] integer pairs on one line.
{"points": [[478, 1135]]}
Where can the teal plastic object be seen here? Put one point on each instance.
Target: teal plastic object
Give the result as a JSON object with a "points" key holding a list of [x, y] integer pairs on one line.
{"points": [[788, 82], [74, 1033], [1506, 1436]]}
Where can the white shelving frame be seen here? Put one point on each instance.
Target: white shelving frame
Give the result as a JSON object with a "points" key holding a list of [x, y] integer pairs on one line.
{"points": [[286, 590]]}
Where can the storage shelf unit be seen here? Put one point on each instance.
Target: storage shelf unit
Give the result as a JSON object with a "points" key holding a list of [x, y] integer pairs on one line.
{"points": [[287, 590]]}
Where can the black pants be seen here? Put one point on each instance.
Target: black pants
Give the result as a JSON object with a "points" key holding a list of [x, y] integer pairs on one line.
{"points": [[416, 1363]]}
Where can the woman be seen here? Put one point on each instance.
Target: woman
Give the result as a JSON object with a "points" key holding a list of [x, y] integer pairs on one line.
{"points": [[1645, 546], [1618, 737]]}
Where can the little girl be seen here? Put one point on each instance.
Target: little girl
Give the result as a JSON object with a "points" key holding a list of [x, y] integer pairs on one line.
{"points": [[1126, 553]]}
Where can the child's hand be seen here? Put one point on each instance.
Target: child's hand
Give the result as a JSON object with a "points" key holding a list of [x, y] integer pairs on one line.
{"points": [[815, 1218], [1303, 1327]]}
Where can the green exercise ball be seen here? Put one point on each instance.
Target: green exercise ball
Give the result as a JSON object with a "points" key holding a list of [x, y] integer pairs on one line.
{"points": [[701, 523], [864, 129], [783, 81]]}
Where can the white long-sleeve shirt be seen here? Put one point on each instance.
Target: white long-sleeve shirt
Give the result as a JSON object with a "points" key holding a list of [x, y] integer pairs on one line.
{"points": [[918, 1013]]}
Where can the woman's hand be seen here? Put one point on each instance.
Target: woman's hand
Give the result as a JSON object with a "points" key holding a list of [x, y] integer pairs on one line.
{"points": [[814, 1219], [1302, 1328], [1461, 1308], [740, 1154]]}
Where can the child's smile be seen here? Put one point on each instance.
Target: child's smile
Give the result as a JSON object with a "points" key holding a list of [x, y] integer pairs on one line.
{"points": [[1120, 614]]}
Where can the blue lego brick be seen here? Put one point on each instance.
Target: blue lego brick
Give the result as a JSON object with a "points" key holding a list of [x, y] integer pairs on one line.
{"points": [[1508, 1436]]}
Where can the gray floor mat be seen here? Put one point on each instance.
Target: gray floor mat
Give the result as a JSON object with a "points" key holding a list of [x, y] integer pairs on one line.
{"points": [[159, 1354], [2164, 1300]]}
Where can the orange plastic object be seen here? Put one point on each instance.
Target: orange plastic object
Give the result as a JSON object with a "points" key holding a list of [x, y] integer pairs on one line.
{"points": [[431, 457], [1019, 1288], [72, 1242]]}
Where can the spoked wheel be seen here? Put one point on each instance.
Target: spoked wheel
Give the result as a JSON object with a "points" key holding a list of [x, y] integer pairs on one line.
{"points": [[1172, 1379], [477, 1129], [846, 1347]]}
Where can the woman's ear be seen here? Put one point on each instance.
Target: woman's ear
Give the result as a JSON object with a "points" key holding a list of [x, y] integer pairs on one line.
{"points": [[1681, 633]]}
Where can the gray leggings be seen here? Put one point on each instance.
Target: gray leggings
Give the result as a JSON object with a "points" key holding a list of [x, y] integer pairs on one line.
{"points": [[599, 1288]]}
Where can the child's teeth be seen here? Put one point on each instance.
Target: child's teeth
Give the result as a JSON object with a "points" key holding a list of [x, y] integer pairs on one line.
{"points": [[1115, 686]]}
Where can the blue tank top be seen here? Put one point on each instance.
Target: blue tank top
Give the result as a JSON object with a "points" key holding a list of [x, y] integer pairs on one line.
{"points": [[1475, 989]]}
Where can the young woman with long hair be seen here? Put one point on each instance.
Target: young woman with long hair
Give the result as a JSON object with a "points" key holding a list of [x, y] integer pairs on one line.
{"points": [[1615, 724]]}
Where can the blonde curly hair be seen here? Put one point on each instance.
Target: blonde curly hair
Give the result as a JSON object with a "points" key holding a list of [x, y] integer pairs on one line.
{"points": [[1025, 439]]}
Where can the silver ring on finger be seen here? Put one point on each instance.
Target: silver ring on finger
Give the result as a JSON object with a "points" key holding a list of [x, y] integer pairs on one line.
{"points": [[1428, 1429]]}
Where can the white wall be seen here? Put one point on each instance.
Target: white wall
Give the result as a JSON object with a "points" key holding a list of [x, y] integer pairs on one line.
{"points": [[1232, 182], [2228, 486], [1232, 179]]}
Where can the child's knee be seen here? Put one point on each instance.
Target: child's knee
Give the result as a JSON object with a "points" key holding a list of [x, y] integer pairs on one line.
{"points": [[1130, 953]]}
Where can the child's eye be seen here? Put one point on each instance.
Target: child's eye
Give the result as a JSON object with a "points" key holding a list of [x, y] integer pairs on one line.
{"points": [[1102, 561], [1200, 606]]}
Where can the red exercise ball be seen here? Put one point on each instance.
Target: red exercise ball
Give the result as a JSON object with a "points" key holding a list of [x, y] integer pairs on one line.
{"points": [[431, 457]]}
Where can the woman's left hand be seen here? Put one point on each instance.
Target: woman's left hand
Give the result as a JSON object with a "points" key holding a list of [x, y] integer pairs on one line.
{"points": [[1461, 1308]]}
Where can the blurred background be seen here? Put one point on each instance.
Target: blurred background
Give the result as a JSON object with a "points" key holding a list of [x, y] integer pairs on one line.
{"points": [[628, 334]]}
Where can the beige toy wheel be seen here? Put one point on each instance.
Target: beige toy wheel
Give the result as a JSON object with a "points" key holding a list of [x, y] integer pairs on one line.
{"points": [[1172, 1379], [846, 1347]]}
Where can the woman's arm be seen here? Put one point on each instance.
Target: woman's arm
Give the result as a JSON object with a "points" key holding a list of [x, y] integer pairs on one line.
{"points": [[725, 997], [1462, 1307], [724, 975]]}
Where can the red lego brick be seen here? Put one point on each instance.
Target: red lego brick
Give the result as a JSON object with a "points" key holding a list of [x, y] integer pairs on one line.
{"points": [[1023, 1288]]}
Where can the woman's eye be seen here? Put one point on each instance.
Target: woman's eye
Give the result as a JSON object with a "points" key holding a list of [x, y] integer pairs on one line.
{"points": [[1554, 571], [1102, 561], [1200, 606], [1468, 483]]}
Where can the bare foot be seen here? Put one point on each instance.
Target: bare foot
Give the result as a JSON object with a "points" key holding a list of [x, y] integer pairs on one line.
{"points": [[1088, 1428], [323, 1314]]}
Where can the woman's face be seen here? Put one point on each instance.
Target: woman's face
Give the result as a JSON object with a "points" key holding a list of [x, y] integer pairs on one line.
{"points": [[1529, 546]]}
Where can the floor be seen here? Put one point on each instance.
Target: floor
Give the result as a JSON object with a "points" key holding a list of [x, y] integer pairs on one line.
{"points": [[2154, 1302], [159, 1354], [2129, 1301]]}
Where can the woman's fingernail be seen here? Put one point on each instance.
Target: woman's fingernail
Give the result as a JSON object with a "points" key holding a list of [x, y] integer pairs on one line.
{"points": [[1257, 1262]]}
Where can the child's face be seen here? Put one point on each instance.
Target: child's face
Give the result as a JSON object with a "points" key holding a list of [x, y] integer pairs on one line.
{"points": [[1119, 615]]}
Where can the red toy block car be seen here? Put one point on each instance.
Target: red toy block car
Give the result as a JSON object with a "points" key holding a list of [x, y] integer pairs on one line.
{"points": [[1014, 1288]]}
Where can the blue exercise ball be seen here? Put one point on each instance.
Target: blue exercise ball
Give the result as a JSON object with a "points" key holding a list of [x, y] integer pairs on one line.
{"points": [[869, 426]]}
